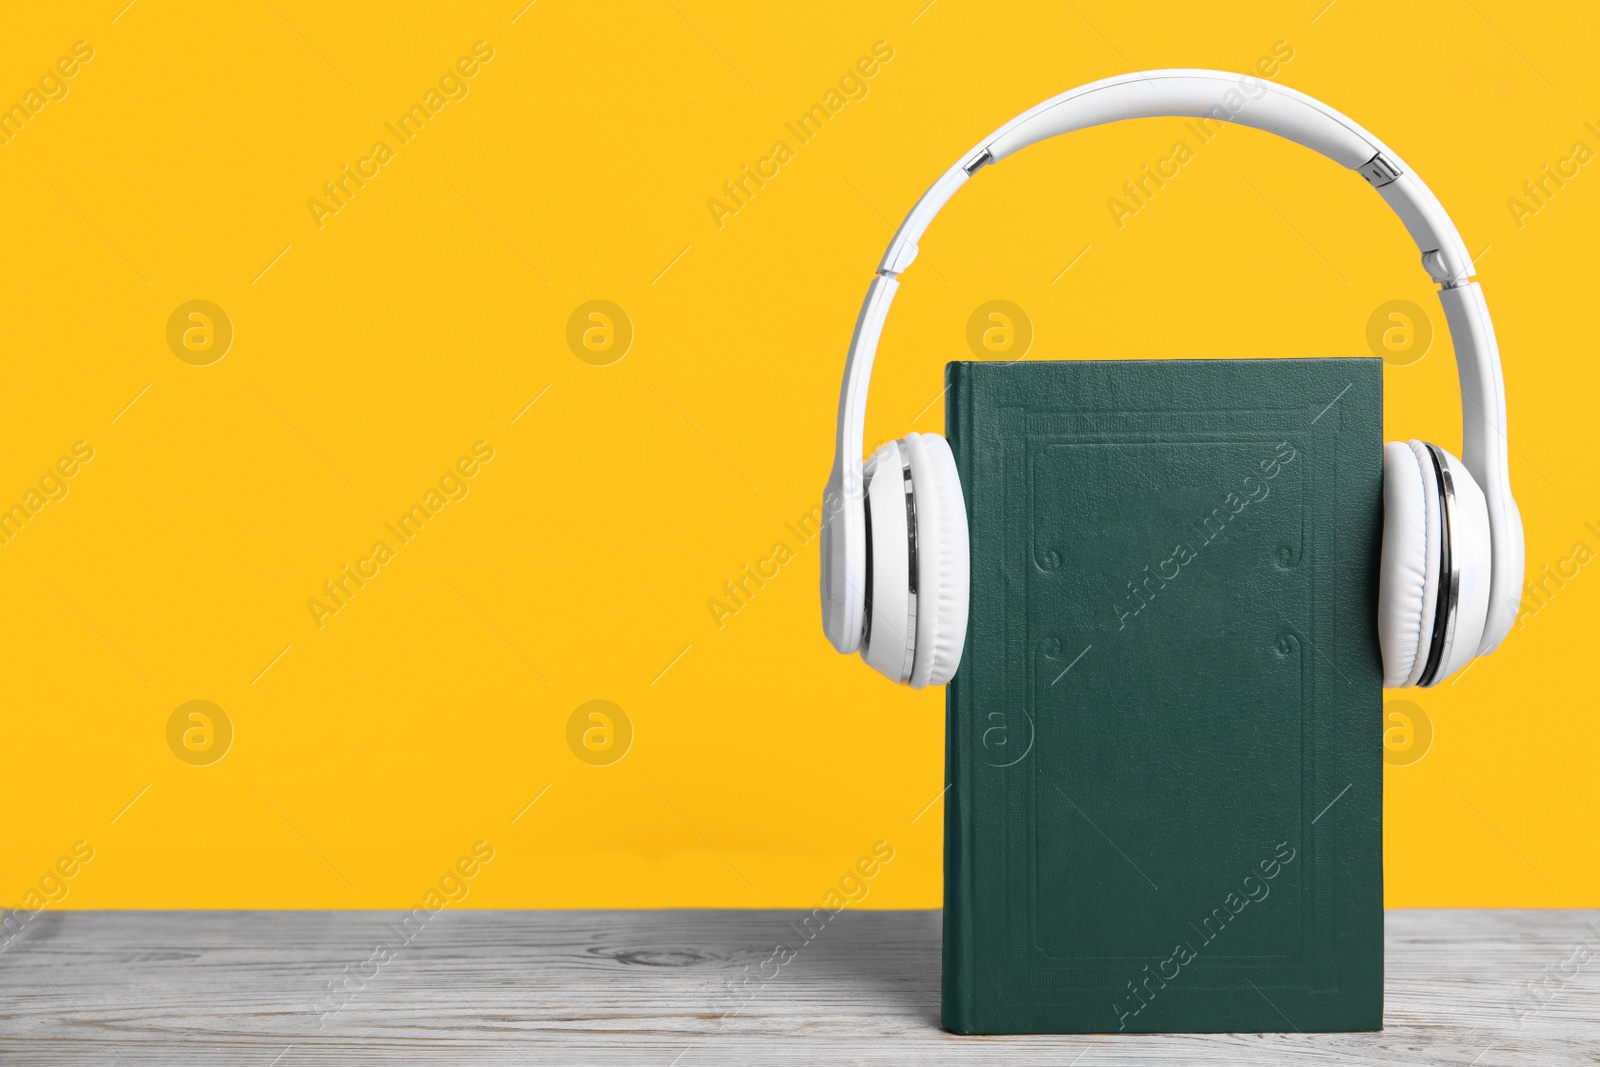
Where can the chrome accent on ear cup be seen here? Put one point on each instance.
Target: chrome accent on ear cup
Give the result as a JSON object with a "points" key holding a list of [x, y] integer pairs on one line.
{"points": [[1444, 616], [866, 611], [889, 644], [911, 560]]}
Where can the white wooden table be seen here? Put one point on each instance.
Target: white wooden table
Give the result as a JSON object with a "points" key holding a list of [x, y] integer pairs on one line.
{"points": [[668, 987]]}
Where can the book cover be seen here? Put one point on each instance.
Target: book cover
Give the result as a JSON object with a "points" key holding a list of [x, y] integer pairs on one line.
{"points": [[1164, 743]]}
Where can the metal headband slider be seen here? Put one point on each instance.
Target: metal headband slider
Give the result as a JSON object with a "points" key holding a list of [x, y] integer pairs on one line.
{"points": [[1379, 171]]}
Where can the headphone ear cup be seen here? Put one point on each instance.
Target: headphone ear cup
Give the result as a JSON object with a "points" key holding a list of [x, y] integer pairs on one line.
{"points": [[1408, 577], [889, 634], [1473, 561], [944, 563]]}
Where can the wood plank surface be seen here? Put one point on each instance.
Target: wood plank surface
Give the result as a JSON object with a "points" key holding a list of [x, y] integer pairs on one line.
{"points": [[691, 988]]}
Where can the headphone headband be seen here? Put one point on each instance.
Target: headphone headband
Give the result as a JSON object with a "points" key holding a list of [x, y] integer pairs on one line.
{"points": [[1242, 100]]}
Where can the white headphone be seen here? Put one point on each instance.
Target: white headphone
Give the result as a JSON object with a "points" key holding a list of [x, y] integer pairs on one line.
{"points": [[895, 565]]}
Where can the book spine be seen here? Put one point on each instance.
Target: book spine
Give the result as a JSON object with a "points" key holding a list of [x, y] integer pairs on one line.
{"points": [[957, 977]]}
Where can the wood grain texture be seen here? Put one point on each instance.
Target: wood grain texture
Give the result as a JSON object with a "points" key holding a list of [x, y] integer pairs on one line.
{"points": [[668, 987]]}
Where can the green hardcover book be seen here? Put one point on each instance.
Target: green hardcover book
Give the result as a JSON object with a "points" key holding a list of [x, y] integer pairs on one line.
{"points": [[1164, 743]]}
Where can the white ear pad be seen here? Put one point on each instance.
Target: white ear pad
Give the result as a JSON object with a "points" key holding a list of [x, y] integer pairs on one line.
{"points": [[944, 566], [889, 624], [1436, 553], [1408, 577], [1472, 559]]}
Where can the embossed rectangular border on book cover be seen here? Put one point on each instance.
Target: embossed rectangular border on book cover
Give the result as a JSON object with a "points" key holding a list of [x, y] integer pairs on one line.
{"points": [[1171, 670]]}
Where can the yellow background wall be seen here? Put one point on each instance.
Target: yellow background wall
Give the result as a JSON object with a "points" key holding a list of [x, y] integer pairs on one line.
{"points": [[374, 346]]}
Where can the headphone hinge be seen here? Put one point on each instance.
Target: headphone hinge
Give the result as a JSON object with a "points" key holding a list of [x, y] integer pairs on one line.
{"points": [[898, 258], [1438, 269], [1379, 171]]}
